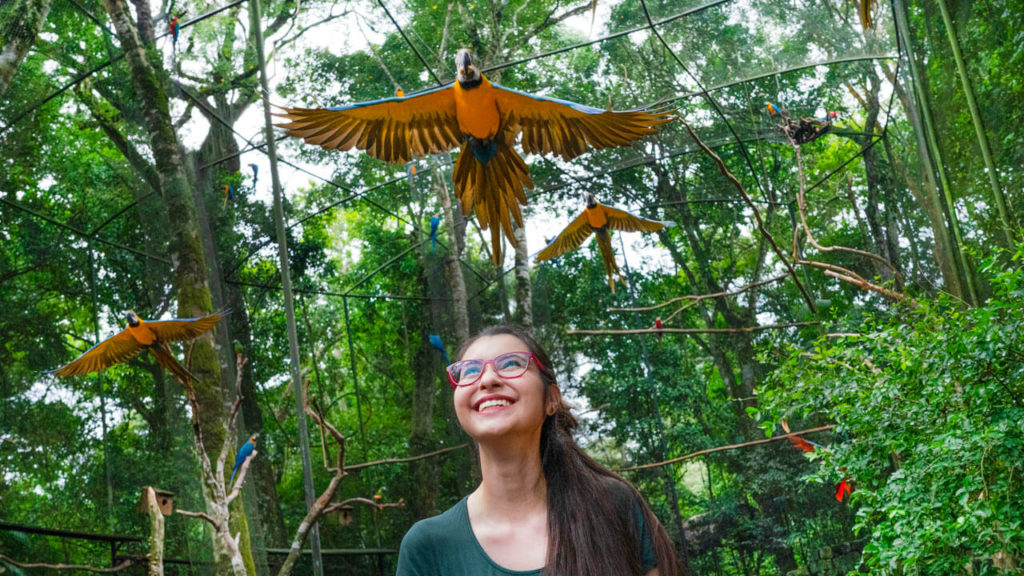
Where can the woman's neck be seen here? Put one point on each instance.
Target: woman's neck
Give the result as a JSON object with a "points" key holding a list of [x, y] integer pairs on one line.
{"points": [[513, 481]]}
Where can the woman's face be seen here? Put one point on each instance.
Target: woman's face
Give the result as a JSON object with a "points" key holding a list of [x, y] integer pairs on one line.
{"points": [[495, 407]]}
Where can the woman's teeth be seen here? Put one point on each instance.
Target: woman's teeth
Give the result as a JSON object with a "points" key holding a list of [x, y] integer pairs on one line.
{"points": [[492, 404]]}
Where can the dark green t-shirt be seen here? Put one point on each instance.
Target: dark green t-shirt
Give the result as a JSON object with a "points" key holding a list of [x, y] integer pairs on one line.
{"points": [[446, 546]]}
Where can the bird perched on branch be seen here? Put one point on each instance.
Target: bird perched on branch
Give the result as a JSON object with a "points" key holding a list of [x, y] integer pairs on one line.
{"points": [[485, 119], [174, 29], [139, 336], [659, 326], [243, 454], [255, 174], [599, 220]]}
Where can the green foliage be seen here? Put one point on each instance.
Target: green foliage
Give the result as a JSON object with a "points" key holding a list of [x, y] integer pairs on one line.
{"points": [[928, 405]]}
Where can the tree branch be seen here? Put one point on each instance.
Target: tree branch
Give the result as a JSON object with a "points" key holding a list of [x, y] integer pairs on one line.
{"points": [[124, 564], [657, 331]]}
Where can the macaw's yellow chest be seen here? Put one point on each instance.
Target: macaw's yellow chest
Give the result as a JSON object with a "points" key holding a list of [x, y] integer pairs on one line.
{"points": [[476, 110], [142, 334], [596, 217]]}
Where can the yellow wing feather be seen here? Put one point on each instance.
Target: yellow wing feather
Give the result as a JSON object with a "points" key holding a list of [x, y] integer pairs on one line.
{"points": [[393, 129], [626, 222], [567, 129], [167, 330], [567, 240], [117, 348]]}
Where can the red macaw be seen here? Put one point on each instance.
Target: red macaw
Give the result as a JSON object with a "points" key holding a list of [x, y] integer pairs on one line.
{"points": [[140, 335], [175, 28], [658, 326], [599, 220], [485, 119]]}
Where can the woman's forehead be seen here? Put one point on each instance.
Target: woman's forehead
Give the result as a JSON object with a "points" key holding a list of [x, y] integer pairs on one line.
{"points": [[487, 347]]}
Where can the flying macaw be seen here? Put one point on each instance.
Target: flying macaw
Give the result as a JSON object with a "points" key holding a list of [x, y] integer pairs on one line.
{"points": [[229, 194], [436, 342], [243, 454], [600, 220], [844, 488], [658, 326], [435, 221], [140, 335], [485, 119], [255, 174]]}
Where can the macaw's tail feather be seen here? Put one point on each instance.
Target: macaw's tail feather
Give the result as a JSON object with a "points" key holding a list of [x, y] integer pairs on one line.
{"points": [[493, 189], [166, 359], [232, 481], [604, 242]]}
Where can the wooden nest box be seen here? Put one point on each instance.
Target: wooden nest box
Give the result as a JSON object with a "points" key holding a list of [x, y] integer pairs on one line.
{"points": [[345, 515], [164, 500]]}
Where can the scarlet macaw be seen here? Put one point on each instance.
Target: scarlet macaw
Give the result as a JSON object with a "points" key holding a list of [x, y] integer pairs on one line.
{"points": [[436, 342], [140, 335], [243, 454], [600, 220], [657, 324], [435, 221], [485, 119], [175, 28]]}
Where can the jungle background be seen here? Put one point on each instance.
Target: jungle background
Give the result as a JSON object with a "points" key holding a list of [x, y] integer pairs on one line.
{"points": [[908, 341]]}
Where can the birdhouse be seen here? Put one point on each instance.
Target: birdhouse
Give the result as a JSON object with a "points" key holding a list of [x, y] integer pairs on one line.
{"points": [[345, 515], [164, 500]]}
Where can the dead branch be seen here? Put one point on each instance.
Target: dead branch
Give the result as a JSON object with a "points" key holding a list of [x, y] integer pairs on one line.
{"points": [[202, 515], [757, 213], [729, 447], [409, 459], [657, 331], [124, 564], [699, 297], [229, 425], [367, 501]]}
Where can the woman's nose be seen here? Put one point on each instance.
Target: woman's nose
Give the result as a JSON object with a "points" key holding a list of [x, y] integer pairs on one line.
{"points": [[489, 377]]}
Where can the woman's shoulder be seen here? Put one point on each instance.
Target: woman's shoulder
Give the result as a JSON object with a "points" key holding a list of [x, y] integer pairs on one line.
{"points": [[436, 530]]}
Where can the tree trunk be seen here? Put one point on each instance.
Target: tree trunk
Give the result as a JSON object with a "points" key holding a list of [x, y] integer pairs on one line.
{"points": [[524, 294], [190, 274], [18, 35], [156, 534]]}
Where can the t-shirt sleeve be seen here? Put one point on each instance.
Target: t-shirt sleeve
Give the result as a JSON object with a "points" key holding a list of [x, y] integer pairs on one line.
{"points": [[644, 534], [416, 554]]}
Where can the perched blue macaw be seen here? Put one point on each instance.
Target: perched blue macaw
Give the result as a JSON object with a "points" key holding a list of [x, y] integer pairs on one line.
{"points": [[435, 221], [243, 454], [229, 194], [255, 173], [436, 342]]}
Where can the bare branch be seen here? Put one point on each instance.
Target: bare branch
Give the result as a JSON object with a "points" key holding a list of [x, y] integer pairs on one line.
{"points": [[202, 515], [701, 296], [367, 501], [757, 214], [729, 447], [657, 331], [240, 477], [409, 459]]}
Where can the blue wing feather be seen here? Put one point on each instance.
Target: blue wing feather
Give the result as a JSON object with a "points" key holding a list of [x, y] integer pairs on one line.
{"points": [[391, 99]]}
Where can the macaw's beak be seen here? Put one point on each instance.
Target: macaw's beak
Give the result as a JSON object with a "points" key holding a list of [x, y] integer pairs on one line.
{"points": [[464, 62]]}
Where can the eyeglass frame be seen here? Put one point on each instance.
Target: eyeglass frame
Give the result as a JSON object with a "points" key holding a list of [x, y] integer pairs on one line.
{"points": [[531, 357]]}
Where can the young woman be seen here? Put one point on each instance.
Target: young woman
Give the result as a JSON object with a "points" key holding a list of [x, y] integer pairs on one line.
{"points": [[543, 506]]}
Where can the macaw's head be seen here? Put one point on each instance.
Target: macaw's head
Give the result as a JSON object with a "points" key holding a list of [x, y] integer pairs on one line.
{"points": [[591, 201], [133, 318], [254, 437], [465, 64]]}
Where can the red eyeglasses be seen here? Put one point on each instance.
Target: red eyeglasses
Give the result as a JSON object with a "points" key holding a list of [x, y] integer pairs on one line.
{"points": [[508, 365]]}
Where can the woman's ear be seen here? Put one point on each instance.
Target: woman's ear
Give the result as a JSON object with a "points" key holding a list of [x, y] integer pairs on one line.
{"points": [[552, 399]]}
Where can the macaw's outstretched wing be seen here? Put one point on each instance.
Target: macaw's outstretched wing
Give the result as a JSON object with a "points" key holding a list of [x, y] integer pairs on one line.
{"points": [[117, 348], [392, 129], [567, 240], [626, 222], [553, 126], [183, 329]]}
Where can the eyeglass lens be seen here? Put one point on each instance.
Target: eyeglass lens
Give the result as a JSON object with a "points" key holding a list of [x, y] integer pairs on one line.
{"points": [[510, 365]]}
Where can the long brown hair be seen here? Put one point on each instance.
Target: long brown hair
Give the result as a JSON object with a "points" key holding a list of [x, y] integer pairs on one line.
{"points": [[592, 527]]}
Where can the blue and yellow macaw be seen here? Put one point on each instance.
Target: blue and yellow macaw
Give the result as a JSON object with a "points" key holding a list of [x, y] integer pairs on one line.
{"points": [[138, 336], [772, 109], [229, 194], [485, 119], [436, 342], [255, 174], [243, 454], [599, 220], [435, 221]]}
